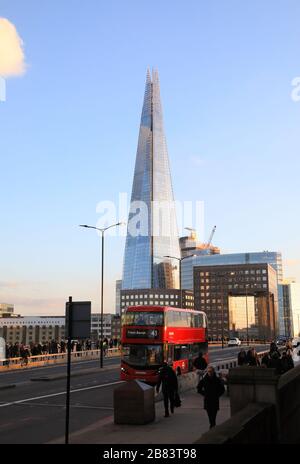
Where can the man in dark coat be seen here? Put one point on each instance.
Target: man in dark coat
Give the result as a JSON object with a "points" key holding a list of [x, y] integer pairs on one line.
{"points": [[275, 362], [211, 387], [199, 362], [168, 381]]}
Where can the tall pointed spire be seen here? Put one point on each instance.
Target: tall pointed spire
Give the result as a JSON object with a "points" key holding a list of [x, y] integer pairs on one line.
{"points": [[152, 232]]}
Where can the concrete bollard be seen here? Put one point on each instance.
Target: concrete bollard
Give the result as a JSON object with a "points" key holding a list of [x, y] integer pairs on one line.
{"points": [[134, 403]]}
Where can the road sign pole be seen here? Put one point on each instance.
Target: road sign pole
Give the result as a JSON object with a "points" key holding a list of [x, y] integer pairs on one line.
{"points": [[68, 371]]}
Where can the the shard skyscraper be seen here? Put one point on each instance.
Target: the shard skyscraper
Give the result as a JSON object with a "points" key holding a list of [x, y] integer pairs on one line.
{"points": [[152, 229]]}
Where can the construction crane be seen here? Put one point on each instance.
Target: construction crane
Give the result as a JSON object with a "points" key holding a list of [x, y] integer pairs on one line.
{"points": [[207, 245]]}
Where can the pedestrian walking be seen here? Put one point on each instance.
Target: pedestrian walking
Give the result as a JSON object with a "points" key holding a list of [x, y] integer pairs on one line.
{"points": [[168, 381], [275, 362], [200, 365], [265, 360], [211, 387], [242, 358], [252, 358], [289, 345], [274, 349], [104, 347], [287, 362]]}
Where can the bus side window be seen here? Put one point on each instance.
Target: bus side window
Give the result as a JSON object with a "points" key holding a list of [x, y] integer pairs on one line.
{"points": [[176, 315], [189, 319]]}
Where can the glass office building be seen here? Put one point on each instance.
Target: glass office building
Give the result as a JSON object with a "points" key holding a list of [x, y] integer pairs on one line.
{"points": [[240, 300], [273, 258], [152, 229]]}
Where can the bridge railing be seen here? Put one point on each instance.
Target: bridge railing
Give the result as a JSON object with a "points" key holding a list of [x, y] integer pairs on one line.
{"points": [[55, 358]]}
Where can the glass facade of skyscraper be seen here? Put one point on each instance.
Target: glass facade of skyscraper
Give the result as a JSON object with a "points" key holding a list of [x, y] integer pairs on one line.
{"points": [[152, 228]]}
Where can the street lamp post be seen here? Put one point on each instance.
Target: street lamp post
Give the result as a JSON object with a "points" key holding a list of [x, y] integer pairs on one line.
{"points": [[247, 324], [222, 304], [102, 278], [222, 308]]}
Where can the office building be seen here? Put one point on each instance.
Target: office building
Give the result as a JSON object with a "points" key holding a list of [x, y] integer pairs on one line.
{"points": [[7, 310], [96, 325], [157, 297], [290, 293], [273, 258], [269, 257], [116, 327], [32, 329], [240, 300], [118, 296]]}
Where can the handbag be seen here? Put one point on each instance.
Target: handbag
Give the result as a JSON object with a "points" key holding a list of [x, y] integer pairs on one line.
{"points": [[177, 400]]}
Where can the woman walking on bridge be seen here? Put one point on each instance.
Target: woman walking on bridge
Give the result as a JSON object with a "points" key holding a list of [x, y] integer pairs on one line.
{"points": [[211, 387]]}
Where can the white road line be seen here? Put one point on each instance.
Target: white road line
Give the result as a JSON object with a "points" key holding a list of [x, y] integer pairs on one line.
{"points": [[60, 393], [74, 364], [73, 406]]}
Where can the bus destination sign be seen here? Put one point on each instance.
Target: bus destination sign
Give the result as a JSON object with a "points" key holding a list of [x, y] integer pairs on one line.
{"points": [[142, 333]]}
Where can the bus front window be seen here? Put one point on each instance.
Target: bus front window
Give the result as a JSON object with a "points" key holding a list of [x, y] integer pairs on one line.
{"points": [[143, 355]]}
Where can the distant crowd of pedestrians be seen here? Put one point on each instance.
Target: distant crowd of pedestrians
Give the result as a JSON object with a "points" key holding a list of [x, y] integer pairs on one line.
{"points": [[20, 350], [281, 362], [108, 344]]}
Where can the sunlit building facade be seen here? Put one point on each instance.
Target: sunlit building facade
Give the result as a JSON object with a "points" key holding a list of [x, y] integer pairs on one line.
{"points": [[239, 300], [290, 294]]}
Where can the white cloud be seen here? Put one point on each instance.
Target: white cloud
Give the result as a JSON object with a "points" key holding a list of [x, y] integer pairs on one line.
{"points": [[12, 59]]}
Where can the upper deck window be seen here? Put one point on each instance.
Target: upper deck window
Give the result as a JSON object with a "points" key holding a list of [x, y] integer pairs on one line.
{"points": [[143, 318]]}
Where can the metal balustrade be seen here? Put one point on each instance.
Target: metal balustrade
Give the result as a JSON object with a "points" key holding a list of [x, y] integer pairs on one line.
{"points": [[55, 358]]}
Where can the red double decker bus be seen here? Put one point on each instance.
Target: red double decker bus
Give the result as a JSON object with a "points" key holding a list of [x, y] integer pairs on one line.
{"points": [[153, 334]]}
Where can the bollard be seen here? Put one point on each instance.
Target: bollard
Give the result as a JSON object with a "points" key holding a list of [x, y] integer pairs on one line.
{"points": [[134, 403]]}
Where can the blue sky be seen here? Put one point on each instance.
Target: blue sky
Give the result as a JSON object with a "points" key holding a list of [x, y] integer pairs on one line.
{"points": [[69, 128]]}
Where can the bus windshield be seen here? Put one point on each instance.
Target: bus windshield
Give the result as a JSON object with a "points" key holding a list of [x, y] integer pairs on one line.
{"points": [[143, 355], [143, 318]]}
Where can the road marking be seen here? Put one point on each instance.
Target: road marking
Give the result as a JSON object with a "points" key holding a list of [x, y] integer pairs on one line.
{"points": [[73, 406], [107, 362], [61, 393]]}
